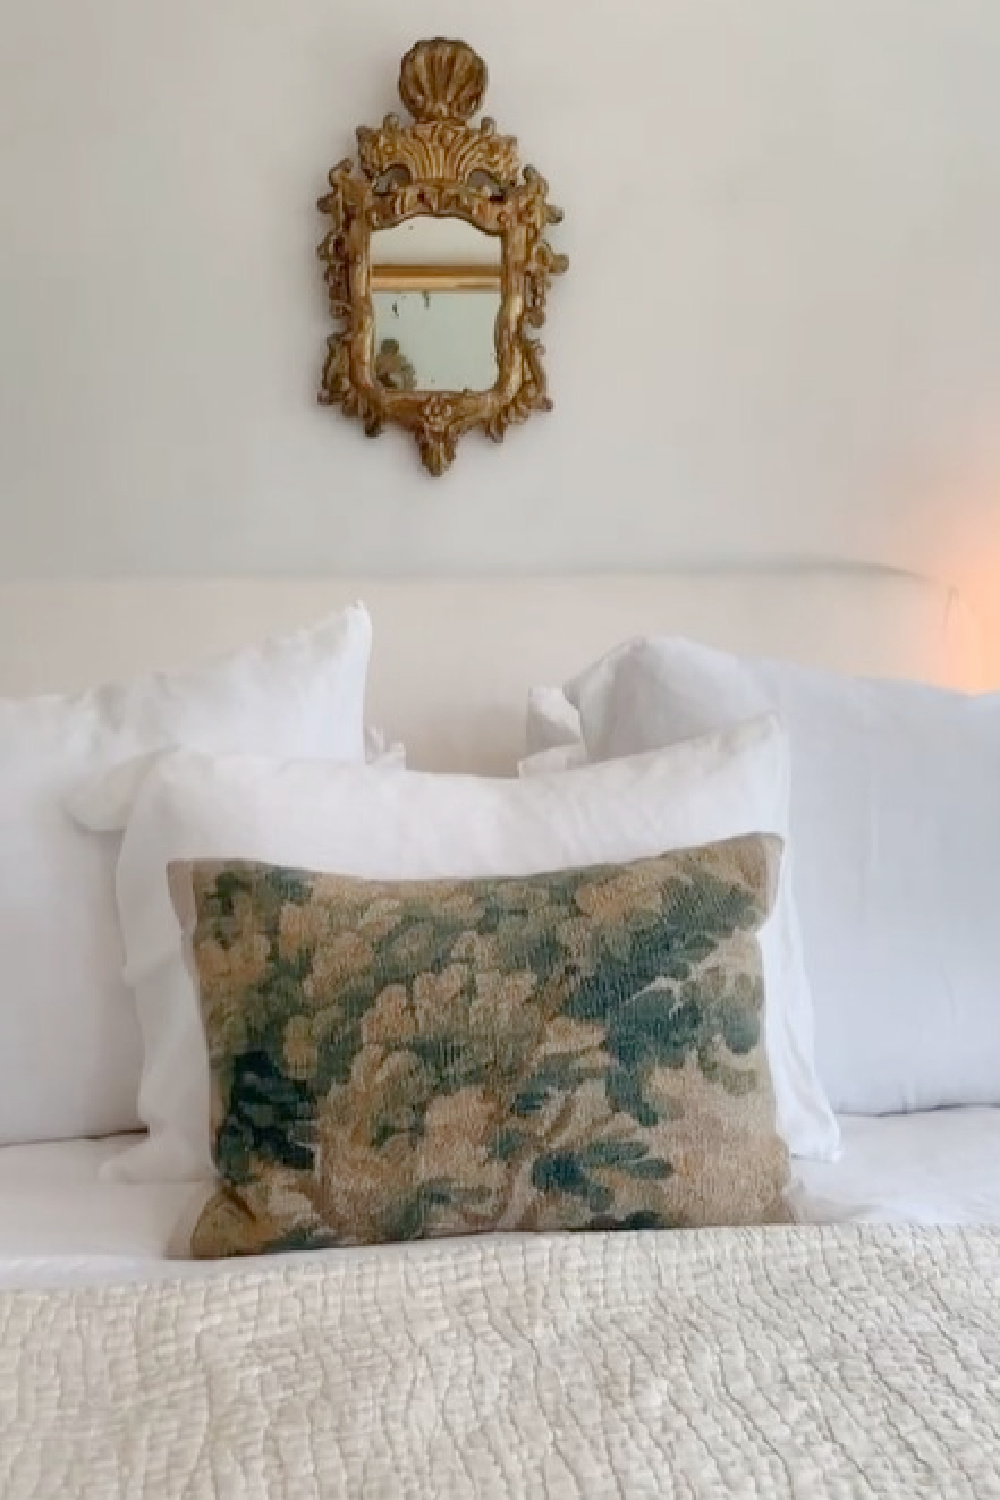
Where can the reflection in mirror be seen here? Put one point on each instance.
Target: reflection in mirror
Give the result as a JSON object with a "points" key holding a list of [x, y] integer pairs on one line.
{"points": [[433, 242], [436, 297], [436, 340]]}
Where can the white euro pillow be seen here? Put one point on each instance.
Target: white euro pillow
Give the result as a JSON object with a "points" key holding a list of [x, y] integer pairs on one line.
{"points": [[407, 825], [895, 827], [550, 722], [70, 1047]]}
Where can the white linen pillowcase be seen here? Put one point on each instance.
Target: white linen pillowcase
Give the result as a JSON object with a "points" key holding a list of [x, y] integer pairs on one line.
{"points": [[558, 758], [895, 827], [408, 825], [102, 803], [552, 734], [550, 722], [70, 1047]]}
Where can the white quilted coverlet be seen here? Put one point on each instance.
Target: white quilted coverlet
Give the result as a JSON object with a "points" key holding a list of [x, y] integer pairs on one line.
{"points": [[842, 1362]]}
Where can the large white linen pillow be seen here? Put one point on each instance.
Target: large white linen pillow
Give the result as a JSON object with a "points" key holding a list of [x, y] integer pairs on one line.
{"points": [[70, 1047], [551, 722], [895, 828], [552, 734], [411, 826]]}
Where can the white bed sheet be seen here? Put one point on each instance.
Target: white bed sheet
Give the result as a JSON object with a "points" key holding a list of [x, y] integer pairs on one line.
{"points": [[939, 1167], [59, 1222]]}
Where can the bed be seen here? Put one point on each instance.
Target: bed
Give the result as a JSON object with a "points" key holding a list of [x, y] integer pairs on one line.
{"points": [[854, 1353], [860, 1359]]}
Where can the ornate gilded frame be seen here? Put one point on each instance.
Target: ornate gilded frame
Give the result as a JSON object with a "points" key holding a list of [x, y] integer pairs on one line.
{"points": [[442, 166]]}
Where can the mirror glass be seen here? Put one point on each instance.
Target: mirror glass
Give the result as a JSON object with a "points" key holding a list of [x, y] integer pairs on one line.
{"points": [[436, 296]]}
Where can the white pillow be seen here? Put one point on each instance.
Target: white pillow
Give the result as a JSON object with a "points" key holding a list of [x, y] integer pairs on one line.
{"points": [[414, 826], [552, 734], [551, 722], [70, 1050], [895, 829]]}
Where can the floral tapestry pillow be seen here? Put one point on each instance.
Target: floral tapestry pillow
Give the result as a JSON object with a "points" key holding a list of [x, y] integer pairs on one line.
{"points": [[393, 1060]]}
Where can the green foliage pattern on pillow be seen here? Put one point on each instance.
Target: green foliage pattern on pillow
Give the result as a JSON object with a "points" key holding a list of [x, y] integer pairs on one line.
{"points": [[395, 1060]]}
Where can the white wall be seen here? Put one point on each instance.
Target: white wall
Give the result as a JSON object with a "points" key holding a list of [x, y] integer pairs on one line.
{"points": [[780, 334]]}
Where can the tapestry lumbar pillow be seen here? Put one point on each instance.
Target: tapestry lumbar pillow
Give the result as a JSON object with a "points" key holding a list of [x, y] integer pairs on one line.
{"points": [[396, 1060]]}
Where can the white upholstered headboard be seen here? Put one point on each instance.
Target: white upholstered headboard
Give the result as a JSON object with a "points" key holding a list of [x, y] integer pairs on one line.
{"points": [[454, 658]]}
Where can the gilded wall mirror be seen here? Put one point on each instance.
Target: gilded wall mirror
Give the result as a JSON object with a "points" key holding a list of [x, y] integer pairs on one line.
{"points": [[437, 265]]}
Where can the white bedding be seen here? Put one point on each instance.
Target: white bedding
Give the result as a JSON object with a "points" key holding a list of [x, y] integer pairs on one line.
{"points": [[852, 1361], [59, 1222], [941, 1167], [846, 1361]]}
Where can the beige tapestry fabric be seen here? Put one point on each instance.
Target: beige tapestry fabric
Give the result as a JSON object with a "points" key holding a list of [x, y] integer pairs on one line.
{"points": [[789, 1364], [399, 1060]]}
